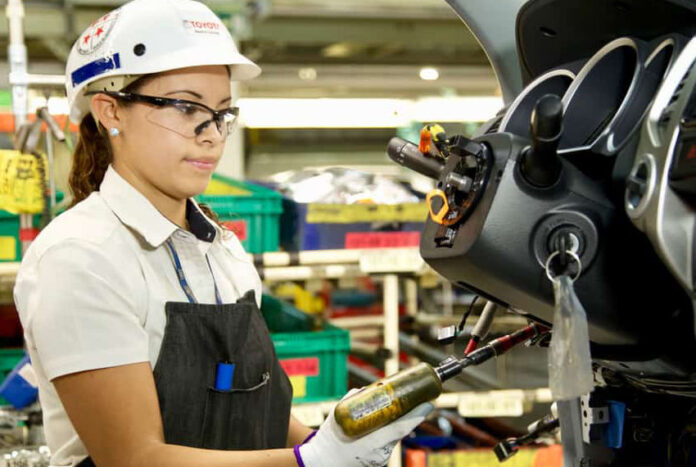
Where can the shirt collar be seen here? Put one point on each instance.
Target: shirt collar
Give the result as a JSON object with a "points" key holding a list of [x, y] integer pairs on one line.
{"points": [[137, 212], [201, 225]]}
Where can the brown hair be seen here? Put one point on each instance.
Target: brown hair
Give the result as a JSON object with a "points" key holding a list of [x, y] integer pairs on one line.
{"points": [[91, 158], [93, 154]]}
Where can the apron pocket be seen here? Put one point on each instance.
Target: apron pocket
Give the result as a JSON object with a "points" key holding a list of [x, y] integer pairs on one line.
{"points": [[236, 417]]}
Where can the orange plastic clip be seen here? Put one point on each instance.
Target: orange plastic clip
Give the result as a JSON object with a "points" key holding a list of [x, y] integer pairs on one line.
{"points": [[445, 210], [426, 139], [438, 216]]}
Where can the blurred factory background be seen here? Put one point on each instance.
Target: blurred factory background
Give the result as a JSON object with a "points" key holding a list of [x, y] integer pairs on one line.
{"points": [[340, 78], [367, 67]]}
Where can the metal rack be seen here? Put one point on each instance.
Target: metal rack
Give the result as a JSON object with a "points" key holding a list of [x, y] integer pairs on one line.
{"points": [[389, 264], [20, 82], [498, 403], [393, 266]]}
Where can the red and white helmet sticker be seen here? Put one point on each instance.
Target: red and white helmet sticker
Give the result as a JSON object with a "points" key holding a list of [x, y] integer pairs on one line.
{"points": [[96, 33], [202, 27]]}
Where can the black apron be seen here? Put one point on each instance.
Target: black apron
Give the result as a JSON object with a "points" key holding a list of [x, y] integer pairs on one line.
{"points": [[254, 414]]}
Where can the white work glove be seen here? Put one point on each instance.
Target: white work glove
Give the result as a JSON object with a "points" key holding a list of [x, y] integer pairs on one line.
{"points": [[331, 447]]}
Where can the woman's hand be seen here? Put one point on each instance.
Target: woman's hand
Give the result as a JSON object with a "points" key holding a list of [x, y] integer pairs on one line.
{"points": [[330, 446]]}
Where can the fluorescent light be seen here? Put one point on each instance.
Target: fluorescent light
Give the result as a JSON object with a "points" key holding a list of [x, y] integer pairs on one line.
{"points": [[429, 74], [307, 74], [36, 102], [56, 105], [456, 109], [338, 50], [342, 113], [323, 113], [364, 113]]}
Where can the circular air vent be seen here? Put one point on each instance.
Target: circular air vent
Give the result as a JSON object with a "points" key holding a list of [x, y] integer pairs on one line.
{"points": [[639, 185]]}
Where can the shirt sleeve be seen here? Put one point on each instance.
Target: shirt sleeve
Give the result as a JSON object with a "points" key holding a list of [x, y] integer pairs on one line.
{"points": [[84, 310]]}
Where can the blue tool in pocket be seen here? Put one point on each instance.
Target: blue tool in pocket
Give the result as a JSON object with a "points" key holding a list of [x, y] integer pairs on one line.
{"points": [[224, 377]]}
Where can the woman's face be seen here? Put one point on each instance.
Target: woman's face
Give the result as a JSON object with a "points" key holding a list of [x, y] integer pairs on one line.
{"points": [[159, 147]]}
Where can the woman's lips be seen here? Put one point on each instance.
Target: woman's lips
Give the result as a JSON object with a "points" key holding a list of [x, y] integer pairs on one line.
{"points": [[202, 164]]}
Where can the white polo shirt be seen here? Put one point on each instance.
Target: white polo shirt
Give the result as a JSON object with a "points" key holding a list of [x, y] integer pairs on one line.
{"points": [[92, 288]]}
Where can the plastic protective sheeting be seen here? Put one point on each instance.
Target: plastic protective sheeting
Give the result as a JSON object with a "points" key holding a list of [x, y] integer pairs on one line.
{"points": [[344, 186], [570, 364]]}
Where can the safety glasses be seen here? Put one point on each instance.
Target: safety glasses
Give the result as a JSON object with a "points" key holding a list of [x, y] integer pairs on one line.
{"points": [[187, 118]]}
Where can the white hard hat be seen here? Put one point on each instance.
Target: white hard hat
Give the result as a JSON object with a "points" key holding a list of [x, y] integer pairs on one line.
{"points": [[149, 36]]}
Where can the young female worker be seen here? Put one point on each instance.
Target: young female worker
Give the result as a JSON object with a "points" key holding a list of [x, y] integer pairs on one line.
{"points": [[134, 301]]}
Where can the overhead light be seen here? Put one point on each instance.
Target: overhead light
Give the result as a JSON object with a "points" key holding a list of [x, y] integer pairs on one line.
{"points": [[456, 109], [323, 113], [339, 50], [307, 74], [342, 113], [36, 102], [429, 74], [56, 105], [364, 113]]}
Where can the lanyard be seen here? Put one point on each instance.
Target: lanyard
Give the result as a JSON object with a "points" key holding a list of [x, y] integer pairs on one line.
{"points": [[182, 277]]}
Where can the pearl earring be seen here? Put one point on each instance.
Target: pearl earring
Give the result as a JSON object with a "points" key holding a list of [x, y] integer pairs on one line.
{"points": [[114, 132]]}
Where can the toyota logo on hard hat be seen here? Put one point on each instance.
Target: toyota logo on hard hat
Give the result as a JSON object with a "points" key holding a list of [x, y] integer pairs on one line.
{"points": [[203, 27]]}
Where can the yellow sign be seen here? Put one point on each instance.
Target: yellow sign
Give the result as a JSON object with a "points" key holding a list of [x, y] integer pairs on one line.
{"points": [[8, 249], [505, 403], [21, 187], [524, 458], [351, 213], [217, 187], [391, 261], [299, 386]]}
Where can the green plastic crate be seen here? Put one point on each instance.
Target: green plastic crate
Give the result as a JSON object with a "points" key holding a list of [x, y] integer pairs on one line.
{"points": [[251, 211], [5, 99], [8, 360], [316, 362], [281, 316], [10, 245]]}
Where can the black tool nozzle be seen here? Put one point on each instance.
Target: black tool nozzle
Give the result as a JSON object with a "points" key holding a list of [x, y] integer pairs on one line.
{"points": [[450, 367], [540, 163], [509, 447], [405, 153], [505, 449]]}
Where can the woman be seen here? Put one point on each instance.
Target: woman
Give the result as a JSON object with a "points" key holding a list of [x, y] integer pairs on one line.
{"points": [[135, 303]]}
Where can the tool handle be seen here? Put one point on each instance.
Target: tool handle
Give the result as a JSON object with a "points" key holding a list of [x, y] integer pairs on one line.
{"points": [[545, 425], [405, 153], [505, 343], [386, 400], [502, 344]]}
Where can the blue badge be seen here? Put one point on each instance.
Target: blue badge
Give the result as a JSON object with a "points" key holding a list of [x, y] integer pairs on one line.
{"points": [[95, 68]]}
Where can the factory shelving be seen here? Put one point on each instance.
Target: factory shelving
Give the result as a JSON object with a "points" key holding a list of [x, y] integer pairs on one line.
{"points": [[390, 267], [498, 403]]}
